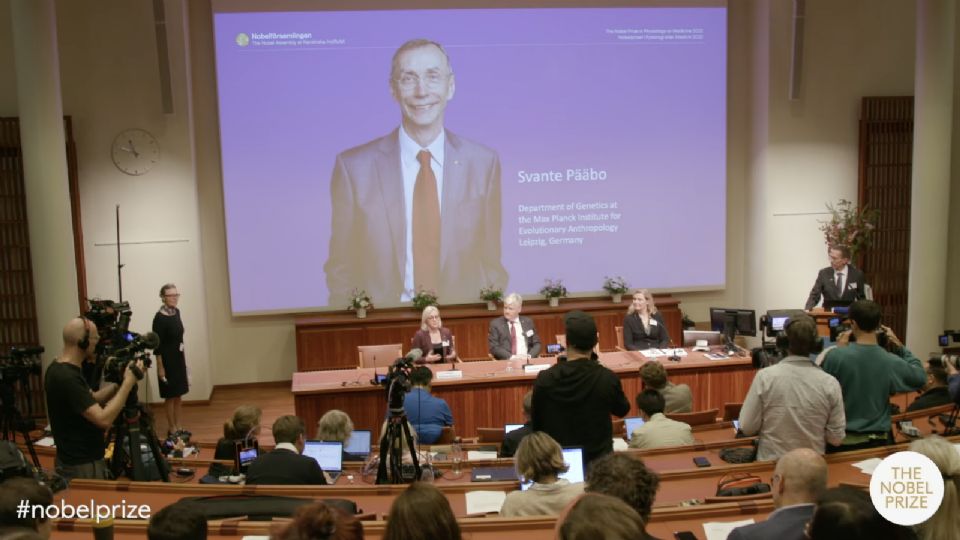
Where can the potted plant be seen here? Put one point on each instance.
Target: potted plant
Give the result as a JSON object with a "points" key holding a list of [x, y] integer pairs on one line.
{"points": [[423, 298], [616, 286], [553, 291], [849, 226], [493, 295], [360, 302]]}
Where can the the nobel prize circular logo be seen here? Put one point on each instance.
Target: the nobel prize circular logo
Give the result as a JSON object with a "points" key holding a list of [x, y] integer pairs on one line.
{"points": [[243, 39], [906, 488]]}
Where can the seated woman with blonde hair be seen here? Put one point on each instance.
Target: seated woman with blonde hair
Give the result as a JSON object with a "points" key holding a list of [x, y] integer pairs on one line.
{"points": [[243, 427], [433, 339], [539, 459], [336, 426]]}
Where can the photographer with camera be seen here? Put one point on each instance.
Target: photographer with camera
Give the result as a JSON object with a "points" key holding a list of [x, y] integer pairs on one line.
{"points": [[77, 420], [868, 375], [935, 393]]}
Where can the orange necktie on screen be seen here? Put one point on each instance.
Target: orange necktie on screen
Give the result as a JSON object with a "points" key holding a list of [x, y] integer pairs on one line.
{"points": [[426, 226]]}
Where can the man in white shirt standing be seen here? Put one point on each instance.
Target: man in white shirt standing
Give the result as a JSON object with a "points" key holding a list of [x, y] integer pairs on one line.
{"points": [[794, 404], [513, 336]]}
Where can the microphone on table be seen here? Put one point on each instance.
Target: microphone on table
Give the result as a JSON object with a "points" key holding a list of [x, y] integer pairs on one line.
{"points": [[673, 353]]}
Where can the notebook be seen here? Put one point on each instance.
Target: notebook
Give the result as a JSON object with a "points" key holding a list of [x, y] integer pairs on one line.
{"points": [[631, 424], [329, 455], [573, 457], [359, 444]]}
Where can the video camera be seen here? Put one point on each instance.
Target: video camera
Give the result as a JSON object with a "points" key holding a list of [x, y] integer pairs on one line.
{"points": [[397, 381], [118, 346], [948, 336], [20, 364]]}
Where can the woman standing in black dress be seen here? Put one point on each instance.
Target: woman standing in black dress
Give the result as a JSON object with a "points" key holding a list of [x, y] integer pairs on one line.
{"points": [[171, 363]]}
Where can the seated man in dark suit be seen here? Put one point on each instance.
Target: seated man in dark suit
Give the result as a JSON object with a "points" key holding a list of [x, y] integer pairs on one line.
{"points": [[838, 282], [936, 392], [512, 440], [285, 465], [799, 479], [512, 335]]}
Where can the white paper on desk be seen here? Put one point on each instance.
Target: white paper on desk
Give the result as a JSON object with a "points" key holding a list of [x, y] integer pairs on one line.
{"points": [[868, 465], [619, 445], [484, 502], [478, 455], [674, 352], [652, 353], [719, 530], [46, 441]]}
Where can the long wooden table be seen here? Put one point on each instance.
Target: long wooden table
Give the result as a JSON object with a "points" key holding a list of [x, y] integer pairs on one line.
{"points": [[490, 394], [330, 341]]}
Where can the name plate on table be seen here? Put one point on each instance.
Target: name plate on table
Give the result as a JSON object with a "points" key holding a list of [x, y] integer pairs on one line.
{"points": [[534, 368], [449, 375]]}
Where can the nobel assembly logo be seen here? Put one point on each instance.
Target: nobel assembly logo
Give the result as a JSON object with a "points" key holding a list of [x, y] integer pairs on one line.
{"points": [[243, 39]]}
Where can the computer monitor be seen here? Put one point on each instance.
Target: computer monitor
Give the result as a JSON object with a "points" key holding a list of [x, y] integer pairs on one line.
{"points": [[733, 322], [573, 457], [779, 317], [329, 455]]}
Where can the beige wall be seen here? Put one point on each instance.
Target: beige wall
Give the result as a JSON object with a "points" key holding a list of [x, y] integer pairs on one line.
{"points": [[786, 160]]}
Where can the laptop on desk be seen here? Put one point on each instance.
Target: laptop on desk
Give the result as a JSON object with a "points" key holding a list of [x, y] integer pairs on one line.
{"points": [[329, 455], [507, 428], [359, 444], [631, 424]]}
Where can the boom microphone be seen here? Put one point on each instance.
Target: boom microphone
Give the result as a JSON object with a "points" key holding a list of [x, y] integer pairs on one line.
{"points": [[414, 355]]}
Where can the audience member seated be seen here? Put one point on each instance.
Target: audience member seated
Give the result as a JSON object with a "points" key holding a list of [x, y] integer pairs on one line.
{"points": [[183, 522], [845, 513], [512, 440], [245, 425], [657, 430], [868, 375], [540, 460], [421, 512], [427, 413], [627, 479], [794, 404], [432, 335], [945, 524], [319, 521], [594, 516], [513, 336], [336, 426], [953, 379], [643, 327], [678, 397], [936, 392], [12, 492], [799, 479], [284, 465]]}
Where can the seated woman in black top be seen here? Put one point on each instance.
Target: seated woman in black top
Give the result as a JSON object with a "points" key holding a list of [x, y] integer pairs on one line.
{"points": [[245, 425], [433, 337], [643, 327]]}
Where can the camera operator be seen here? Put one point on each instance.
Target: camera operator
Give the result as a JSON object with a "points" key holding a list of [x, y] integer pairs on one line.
{"points": [[868, 375], [77, 420], [935, 393]]}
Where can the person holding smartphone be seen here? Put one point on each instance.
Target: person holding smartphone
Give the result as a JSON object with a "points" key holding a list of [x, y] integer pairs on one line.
{"points": [[171, 362]]}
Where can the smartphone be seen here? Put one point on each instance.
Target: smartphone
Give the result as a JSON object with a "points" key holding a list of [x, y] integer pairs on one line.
{"points": [[246, 453], [701, 461], [684, 535], [736, 426], [554, 348]]}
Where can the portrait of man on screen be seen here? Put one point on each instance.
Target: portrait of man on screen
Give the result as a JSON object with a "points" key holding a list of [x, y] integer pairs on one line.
{"points": [[418, 208]]}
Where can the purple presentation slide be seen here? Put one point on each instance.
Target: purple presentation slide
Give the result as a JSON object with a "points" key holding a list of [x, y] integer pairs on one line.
{"points": [[579, 143]]}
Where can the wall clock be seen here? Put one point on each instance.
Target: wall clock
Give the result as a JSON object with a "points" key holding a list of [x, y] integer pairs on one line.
{"points": [[135, 151]]}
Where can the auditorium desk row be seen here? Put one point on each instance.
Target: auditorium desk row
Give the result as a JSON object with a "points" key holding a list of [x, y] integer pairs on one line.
{"points": [[490, 393], [330, 341]]}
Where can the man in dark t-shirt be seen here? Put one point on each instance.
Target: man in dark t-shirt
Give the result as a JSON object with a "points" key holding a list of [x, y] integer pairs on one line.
{"points": [[77, 420]]}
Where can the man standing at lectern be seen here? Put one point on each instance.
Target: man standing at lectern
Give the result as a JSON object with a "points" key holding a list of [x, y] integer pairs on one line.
{"points": [[420, 206], [838, 282]]}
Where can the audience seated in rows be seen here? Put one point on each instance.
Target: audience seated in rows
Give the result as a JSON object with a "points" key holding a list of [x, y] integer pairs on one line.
{"points": [[794, 404], [935, 393], [845, 513], [540, 460], [243, 426], [512, 440], [319, 521], [428, 413], [799, 479], [678, 397], [657, 430], [421, 512], [868, 375], [180, 522], [945, 524], [627, 479], [336, 426], [284, 465], [593, 516], [12, 492]]}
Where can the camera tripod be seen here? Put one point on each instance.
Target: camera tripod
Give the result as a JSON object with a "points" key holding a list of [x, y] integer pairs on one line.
{"points": [[131, 428], [391, 445], [12, 422]]}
